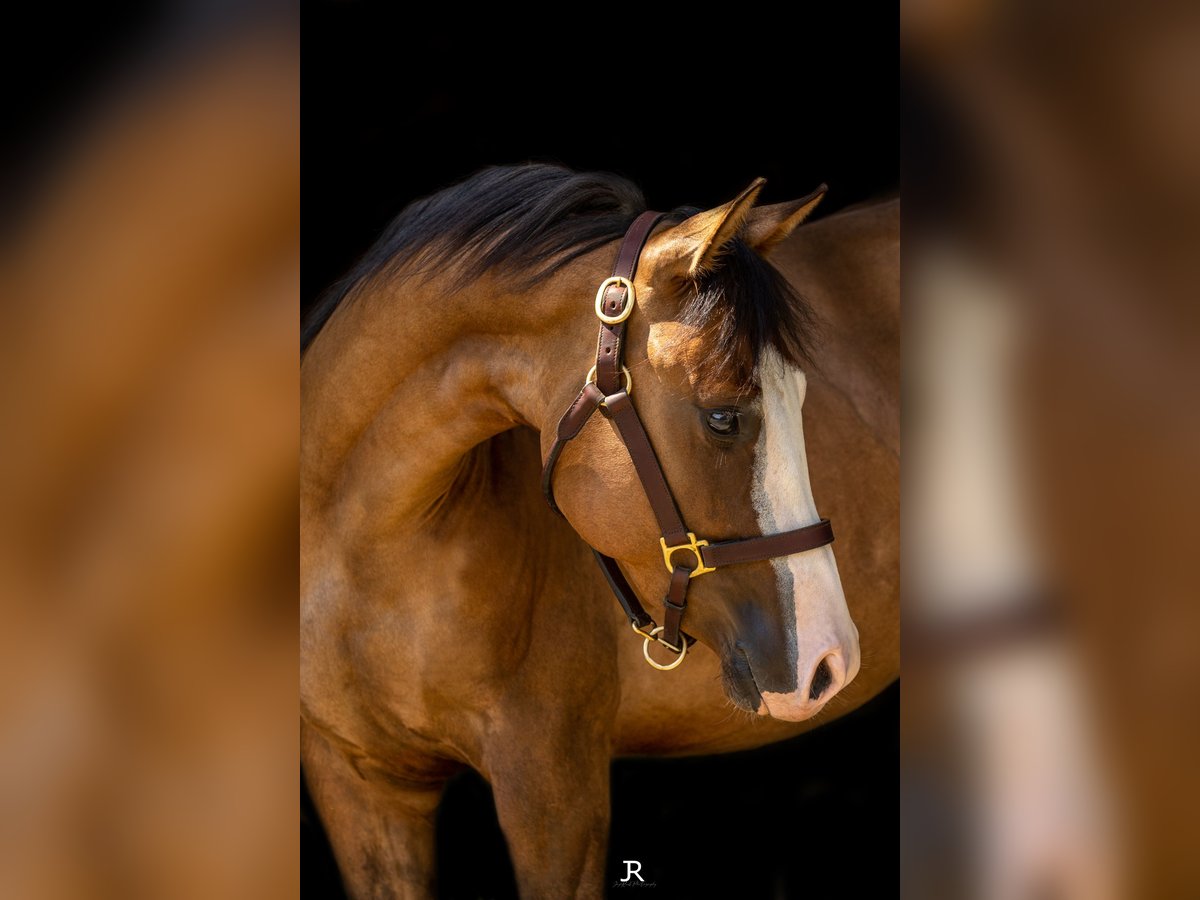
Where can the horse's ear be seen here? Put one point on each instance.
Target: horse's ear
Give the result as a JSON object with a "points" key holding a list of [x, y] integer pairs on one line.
{"points": [[696, 244], [768, 226]]}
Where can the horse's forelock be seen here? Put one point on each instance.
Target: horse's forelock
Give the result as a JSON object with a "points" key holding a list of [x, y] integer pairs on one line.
{"points": [[740, 308]]}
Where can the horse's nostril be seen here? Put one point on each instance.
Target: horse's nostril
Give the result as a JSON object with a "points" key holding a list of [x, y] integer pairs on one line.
{"points": [[821, 680]]}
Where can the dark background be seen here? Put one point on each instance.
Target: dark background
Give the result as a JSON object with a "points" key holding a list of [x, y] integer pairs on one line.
{"points": [[393, 110]]}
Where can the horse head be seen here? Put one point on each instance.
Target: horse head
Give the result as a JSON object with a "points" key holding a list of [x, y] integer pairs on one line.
{"points": [[717, 349]]}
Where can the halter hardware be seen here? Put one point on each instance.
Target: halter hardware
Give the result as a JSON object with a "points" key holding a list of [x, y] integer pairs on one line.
{"points": [[681, 650], [692, 545], [626, 310], [591, 379]]}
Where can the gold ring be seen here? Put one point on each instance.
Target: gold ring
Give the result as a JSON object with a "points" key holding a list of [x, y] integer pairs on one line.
{"points": [[591, 376], [626, 311], [659, 666]]}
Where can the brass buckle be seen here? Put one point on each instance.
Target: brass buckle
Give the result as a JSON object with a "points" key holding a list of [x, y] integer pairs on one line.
{"points": [[693, 545], [626, 310], [682, 651], [649, 635], [591, 376]]}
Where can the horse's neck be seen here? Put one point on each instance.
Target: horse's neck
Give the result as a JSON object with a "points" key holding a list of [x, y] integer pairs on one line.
{"points": [[403, 383]]}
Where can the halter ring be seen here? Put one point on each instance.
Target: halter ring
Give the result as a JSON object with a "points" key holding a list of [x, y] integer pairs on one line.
{"points": [[626, 310], [646, 650], [591, 376]]}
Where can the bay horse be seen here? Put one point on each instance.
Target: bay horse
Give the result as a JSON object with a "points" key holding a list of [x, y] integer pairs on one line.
{"points": [[450, 618]]}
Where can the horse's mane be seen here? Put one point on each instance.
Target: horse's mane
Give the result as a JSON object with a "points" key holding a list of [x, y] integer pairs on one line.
{"points": [[522, 223]]}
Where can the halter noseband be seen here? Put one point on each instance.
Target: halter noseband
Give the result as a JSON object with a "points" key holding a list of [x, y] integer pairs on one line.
{"points": [[607, 388]]}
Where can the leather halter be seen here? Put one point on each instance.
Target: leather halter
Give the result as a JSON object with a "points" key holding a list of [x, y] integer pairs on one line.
{"points": [[608, 388]]}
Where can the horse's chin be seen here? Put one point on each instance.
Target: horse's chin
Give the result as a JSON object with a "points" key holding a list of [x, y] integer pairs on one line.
{"points": [[738, 681]]}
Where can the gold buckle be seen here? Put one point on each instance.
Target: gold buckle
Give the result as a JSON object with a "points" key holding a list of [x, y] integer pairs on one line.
{"points": [[626, 310], [693, 545], [649, 635], [591, 376], [646, 649]]}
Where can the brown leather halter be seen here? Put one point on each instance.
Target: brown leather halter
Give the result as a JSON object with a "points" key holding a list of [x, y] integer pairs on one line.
{"points": [[603, 390]]}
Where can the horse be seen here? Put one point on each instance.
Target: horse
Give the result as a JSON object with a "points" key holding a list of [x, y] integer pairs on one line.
{"points": [[451, 618]]}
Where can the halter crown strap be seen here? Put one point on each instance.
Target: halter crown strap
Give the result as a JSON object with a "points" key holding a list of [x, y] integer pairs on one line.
{"points": [[615, 300], [608, 387]]}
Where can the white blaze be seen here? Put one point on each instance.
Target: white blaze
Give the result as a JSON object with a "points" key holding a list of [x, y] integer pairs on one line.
{"points": [[783, 500]]}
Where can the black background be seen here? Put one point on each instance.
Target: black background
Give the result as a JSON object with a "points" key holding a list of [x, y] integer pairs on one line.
{"points": [[393, 110]]}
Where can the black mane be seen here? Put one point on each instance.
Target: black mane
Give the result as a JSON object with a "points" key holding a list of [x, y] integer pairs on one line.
{"points": [[524, 222]]}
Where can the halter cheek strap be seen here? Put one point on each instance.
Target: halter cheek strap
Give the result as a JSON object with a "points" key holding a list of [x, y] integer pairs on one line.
{"points": [[608, 387]]}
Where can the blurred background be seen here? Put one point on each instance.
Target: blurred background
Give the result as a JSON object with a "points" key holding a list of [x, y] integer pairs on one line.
{"points": [[379, 132], [1052, 434], [149, 268]]}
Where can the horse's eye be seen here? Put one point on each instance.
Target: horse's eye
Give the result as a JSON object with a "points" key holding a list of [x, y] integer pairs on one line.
{"points": [[722, 422]]}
